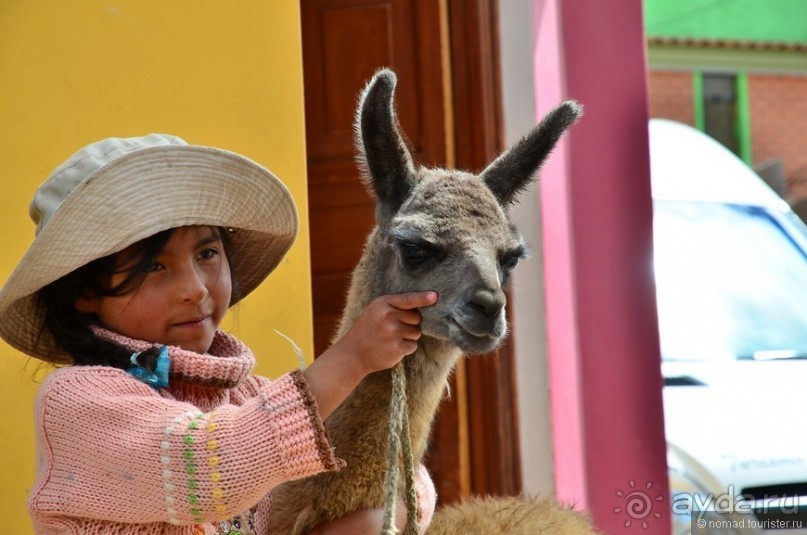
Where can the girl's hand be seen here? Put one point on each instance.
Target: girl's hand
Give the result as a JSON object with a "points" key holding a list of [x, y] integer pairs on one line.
{"points": [[386, 331]]}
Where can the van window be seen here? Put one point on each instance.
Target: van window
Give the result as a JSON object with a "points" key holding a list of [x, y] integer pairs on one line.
{"points": [[730, 283]]}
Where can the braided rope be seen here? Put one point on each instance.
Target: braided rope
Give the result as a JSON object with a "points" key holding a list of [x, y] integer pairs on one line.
{"points": [[412, 524], [400, 444]]}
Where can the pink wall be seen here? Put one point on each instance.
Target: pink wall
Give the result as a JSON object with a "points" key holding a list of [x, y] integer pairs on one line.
{"points": [[597, 225]]}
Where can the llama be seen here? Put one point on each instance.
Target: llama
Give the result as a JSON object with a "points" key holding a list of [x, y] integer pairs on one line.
{"points": [[436, 229]]}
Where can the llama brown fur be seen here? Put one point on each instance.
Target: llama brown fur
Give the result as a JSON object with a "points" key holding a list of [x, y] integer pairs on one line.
{"points": [[511, 515], [442, 230]]}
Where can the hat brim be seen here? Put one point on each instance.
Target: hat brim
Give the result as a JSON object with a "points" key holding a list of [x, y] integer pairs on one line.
{"points": [[136, 196]]}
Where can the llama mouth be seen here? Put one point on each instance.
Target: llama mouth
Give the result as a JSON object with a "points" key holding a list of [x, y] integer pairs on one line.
{"points": [[493, 329], [471, 332], [470, 340]]}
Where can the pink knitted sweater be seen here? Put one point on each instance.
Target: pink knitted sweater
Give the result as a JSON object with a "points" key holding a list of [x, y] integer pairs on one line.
{"points": [[116, 456]]}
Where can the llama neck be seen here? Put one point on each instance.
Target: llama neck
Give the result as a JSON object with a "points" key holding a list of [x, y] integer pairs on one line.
{"points": [[427, 373], [427, 369]]}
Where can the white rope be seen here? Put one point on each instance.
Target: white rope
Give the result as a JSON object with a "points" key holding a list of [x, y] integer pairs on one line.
{"points": [[400, 444]]}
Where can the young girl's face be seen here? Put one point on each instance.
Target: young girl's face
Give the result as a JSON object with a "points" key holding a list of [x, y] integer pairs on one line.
{"points": [[182, 299]]}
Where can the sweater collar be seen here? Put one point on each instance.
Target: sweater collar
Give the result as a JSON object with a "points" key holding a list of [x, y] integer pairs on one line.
{"points": [[227, 362]]}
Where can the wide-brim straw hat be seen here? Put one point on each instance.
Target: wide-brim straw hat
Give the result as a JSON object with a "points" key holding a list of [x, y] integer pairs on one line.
{"points": [[116, 192]]}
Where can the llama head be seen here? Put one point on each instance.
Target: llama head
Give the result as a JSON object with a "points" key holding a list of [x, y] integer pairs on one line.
{"points": [[447, 230]]}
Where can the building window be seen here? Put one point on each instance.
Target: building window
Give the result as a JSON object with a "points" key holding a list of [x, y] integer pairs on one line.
{"points": [[720, 109]]}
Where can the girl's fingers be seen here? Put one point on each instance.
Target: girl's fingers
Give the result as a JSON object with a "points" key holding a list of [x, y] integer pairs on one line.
{"points": [[408, 347], [410, 333], [408, 317], [411, 300]]}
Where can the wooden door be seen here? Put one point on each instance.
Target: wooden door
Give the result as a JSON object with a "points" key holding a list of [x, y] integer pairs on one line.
{"points": [[345, 42], [446, 100]]}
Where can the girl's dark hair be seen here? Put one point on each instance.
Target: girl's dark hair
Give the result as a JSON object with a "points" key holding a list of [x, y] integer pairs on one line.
{"points": [[71, 329]]}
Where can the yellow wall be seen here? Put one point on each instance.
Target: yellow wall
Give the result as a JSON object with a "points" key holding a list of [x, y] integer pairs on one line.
{"points": [[218, 73]]}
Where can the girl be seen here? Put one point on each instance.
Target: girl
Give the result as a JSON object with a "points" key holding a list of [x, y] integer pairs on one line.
{"points": [[159, 427]]}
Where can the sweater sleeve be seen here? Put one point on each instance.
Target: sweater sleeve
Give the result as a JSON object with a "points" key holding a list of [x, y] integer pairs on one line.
{"points": [[427, 497], [111, 448]]}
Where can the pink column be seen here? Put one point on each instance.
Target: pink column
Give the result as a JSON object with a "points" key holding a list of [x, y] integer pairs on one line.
{"points": [[597, 226]]}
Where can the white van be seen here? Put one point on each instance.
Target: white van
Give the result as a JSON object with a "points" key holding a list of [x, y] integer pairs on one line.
{"points": [[731, 282]]}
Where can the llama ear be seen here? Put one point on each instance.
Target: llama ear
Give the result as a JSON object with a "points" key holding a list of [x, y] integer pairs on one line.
{"points": [[513, 170], [382, 153]]}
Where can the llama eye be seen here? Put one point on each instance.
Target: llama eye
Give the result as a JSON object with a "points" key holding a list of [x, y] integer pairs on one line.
{"points": [[509, 263], [413, 253], [420, 256]]}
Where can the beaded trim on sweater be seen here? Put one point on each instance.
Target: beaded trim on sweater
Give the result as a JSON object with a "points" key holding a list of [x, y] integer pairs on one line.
{"points": [[226, 364]]}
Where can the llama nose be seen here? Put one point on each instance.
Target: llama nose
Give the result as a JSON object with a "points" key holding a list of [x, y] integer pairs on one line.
{"points": [[488, 302]]}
